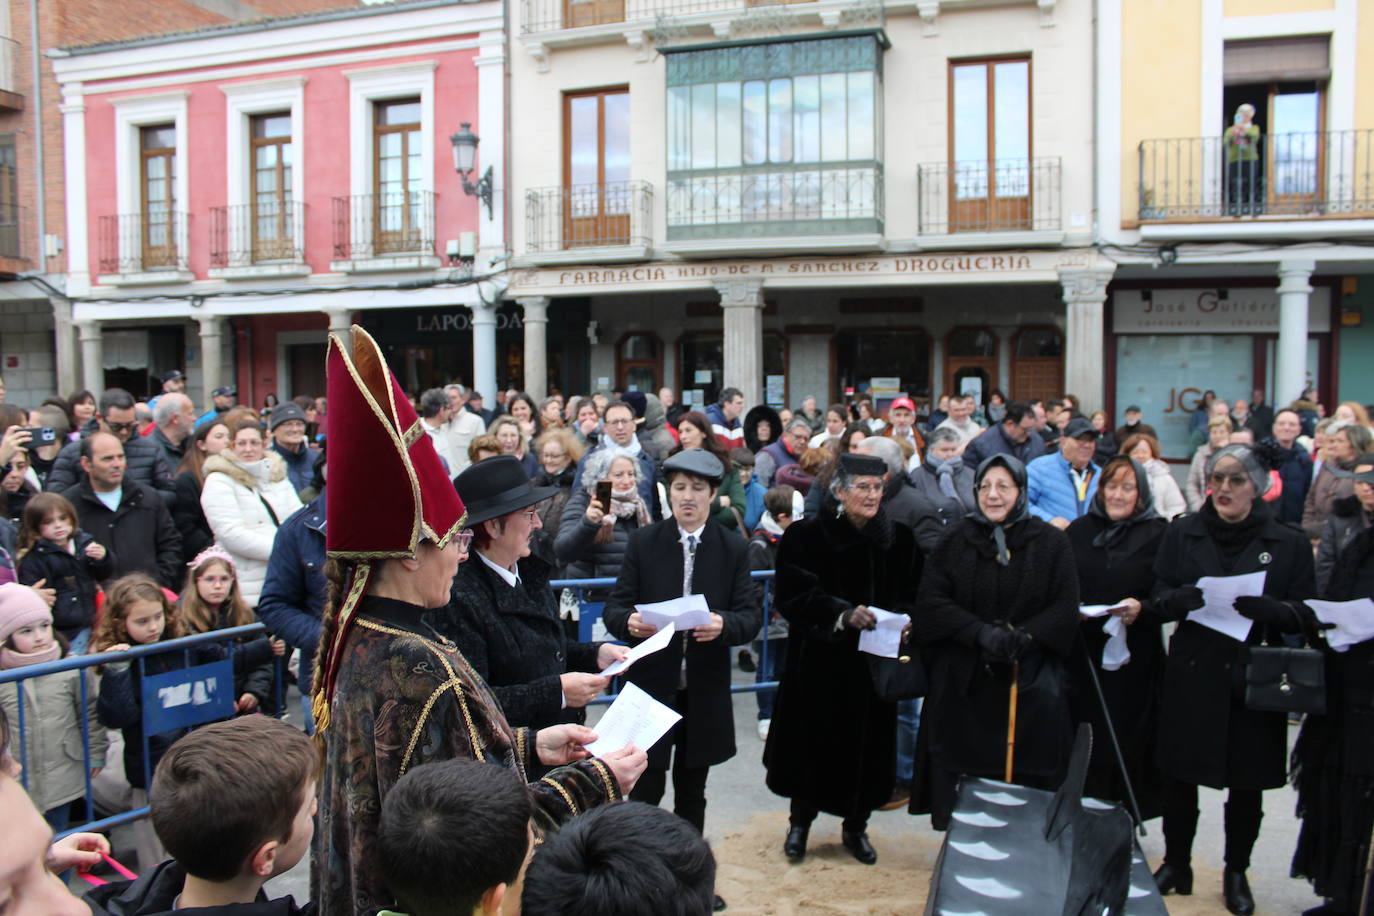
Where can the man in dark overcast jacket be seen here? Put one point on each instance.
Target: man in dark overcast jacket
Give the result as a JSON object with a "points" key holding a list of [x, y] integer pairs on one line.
{"points": [[145, 461]]}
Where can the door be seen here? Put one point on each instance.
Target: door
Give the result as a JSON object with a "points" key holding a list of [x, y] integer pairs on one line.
{"points": [[1037, 364], [158, 163], [1296, 148], [989, 145], [397, 204], [274, 232], [596, 190], [639, 363], [971, 353], [306, 362]]}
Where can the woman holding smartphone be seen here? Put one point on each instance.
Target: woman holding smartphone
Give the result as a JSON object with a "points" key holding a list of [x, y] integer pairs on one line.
{"points": [[599, 517]]}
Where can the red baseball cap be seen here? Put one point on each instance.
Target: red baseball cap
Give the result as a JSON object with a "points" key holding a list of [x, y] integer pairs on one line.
{"points": [[903, 402]]}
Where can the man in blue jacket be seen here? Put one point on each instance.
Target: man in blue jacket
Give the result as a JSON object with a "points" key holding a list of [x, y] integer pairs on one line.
{"points": [[292, 599], [1060, 487]]}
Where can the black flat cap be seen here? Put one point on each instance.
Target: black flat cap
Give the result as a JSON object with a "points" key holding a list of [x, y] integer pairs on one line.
{"points": [[697, 462]]}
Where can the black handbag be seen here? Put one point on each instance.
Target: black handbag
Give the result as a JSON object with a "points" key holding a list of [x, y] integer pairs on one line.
{"points": [[1284, 679], [900, 678]]}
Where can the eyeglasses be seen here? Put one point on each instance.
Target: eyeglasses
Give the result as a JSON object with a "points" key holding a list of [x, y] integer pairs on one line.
{"points": [[122, 427], [866, 487], [464, 540], [1235, 480], [1000, 488], [529, 513], [554, 456], [621, 422]]}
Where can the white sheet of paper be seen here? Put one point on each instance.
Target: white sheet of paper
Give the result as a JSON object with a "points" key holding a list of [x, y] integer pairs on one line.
{"points": [[1096, 610], [685, 612], [885, 638], [634, 716], [1220, 592], [647, 647], [1354, 621], [1114, 653]]}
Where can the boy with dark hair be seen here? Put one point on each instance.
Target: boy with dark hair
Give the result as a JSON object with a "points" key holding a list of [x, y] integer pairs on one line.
{"points": [[234, 804], [455, 838], [627, 859]]}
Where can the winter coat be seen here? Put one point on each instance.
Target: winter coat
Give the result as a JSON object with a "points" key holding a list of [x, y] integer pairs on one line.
{"points": [[171, 452], [907, 506], [770, 459], [54, 763], [654, 433], [74, 575], [927, 483], [1051, 491], [653, 571], [8, 573], [1168, 498], [1346, 520], [648, 477], [1295, 472], [190, 517], [729, 432], [300, 464], [254, 664], [140, 533], [236, 499], [1207, 734], [576, 545], [1195, 490], [826, 567], [292, 600], [121, 706], [733, 490], [145, 464], [551, 509], [514, 639], [1326, 489], [154, 893]]}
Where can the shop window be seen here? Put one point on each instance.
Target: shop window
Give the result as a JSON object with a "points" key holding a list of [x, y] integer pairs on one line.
{"points": [[864, 355], [639, 362], [1037, 365], [701, 358]]}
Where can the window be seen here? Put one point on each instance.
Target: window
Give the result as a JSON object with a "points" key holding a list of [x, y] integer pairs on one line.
{"points": [[157, 184], [701, 362], [989, 143], [398, 179], [861, 356], [577, 13], [9, 198], [272, 219], [640, 363], [783, 131], [596, 167]]}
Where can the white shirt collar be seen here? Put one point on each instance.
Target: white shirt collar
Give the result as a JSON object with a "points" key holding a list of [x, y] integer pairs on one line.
{"points": [[510, 578], [683, 534]]}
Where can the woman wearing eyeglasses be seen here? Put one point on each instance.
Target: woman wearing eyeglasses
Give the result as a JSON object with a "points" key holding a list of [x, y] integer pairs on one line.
{"points": [[1000, 597], [1208, 736]]}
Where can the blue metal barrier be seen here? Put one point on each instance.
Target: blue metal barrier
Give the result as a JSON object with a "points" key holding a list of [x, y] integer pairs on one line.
{"points": [[135, 655]]}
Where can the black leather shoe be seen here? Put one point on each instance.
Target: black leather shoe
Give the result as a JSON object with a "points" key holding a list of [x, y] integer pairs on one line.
{"points": [[718, 905], [1236, 890], [859, 847], [1174, 879], [794, 847]]}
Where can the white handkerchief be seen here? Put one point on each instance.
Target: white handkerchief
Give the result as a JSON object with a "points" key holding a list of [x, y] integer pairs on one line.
{"points": [[685, 612], [634, 716], [647, 647], [1097, 610], [1354, 621], [885, 639], [1114, 653], [1219, 593]]}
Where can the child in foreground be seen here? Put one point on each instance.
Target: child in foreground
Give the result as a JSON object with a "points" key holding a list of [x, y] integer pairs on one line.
{"points": [[53, 549], [234, 804]]}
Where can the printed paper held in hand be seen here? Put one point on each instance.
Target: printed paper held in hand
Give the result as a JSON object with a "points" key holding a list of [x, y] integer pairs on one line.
{"points": [[885, 639], [634, 716], [647, 647], [1354, 621], [684, 613], [1220, 593], [1097, 610]]}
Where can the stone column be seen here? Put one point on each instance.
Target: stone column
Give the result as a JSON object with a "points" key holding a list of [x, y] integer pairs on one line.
{"points": [[1290, 373], [484, 350], [742, 302], [211, 355], [1085, 292], [536, 345], [64, 362], [340, 322], [92, 357]]}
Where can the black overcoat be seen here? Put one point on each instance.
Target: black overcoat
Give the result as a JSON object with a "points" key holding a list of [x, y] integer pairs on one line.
{"points": [[825, 567], [514, 639], [652, 572], [1207, 735]]}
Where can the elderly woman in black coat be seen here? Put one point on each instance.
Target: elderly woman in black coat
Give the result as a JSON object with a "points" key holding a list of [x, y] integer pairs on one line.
{"points": [[1208, 736], [1333, 761], [1114, 548], [832, 568], [1000, 598]]}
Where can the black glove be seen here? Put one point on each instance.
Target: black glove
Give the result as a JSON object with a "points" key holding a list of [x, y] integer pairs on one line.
{"points": [[1177, 603], [1269, 611], [1002, 644]]}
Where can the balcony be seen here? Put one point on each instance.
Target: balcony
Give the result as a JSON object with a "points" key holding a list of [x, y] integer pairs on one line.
{"points": [[266, 239], [380, 232], [769, 211], [593, 222], [143, 248], [553, 15], [995, 203], [1326, 176]]}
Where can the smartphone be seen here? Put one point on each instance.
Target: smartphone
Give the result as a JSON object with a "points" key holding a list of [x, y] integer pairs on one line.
{"points": [[603, 495], [41, 435]]}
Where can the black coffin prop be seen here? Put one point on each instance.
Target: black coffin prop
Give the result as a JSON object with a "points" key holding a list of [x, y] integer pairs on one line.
{"points": [[1014, 851]]}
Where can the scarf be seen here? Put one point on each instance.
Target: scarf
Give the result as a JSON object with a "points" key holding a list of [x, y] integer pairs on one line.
{"points": [[1231, 538], [626, 506], [767, 523], [944, 473], [632, 450], [11, 658], [1019, 512], [1117, 529]]}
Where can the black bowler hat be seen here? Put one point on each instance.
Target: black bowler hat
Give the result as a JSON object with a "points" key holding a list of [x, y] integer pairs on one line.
{"points": [[497, 486]]}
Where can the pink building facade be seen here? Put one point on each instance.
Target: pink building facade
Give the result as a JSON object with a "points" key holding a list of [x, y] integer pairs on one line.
{"points": [[234, 193]]}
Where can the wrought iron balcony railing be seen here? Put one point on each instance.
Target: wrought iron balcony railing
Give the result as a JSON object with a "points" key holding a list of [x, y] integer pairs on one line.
{"points": [[11, 242], [1299, 175], [551, 15], [1002, 195], [619, 213], [130, 243], [270, 231], [384, 225], [770, 202]]}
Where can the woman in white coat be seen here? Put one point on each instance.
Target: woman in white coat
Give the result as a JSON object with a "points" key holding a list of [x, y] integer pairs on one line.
{"points": [[246, 497], [1164, 490]]}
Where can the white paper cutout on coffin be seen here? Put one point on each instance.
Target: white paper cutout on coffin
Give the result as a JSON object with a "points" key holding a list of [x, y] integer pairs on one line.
{"points": [[978, 819], [989, 887], [1005, 799], [979, 851]]}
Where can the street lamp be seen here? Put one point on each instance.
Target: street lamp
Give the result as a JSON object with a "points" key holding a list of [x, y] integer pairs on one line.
{"points": [[464, 157]]}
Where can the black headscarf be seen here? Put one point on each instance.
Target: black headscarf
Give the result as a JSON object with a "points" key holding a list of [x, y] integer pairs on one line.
{"points": [[1117, 530], [1019, 512]]}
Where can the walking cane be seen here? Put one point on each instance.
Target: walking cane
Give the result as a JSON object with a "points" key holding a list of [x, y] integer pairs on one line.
{"points": [[1368, 868], [1011, 718]]}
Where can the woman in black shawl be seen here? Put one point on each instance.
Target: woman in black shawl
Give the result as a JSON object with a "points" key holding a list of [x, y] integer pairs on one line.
{"points": [[999, 589], [1114, 547]]}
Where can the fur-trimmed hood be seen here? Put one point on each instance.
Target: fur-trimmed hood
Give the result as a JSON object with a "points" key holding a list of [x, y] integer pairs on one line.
{"points": [[270, 469]]}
